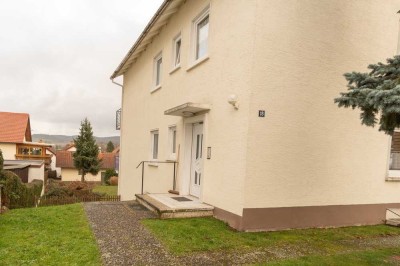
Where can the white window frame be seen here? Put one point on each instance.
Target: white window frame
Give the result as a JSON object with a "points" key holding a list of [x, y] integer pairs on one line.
{"points": [[172, 147], [176, 66], [157, 72], [196, 21], [152, 144], [392, 175]]}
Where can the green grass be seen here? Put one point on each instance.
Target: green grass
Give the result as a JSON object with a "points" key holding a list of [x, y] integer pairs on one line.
{"points": [[57, 235], [388, 256], [109, 190], [331, 246]]}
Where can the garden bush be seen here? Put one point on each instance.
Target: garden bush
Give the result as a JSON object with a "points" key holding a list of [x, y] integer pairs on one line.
{"points": [[109, 173], [17, 194]]}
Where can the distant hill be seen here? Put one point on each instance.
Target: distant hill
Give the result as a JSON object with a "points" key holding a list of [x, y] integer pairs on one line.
{"points": [[62, 140]]}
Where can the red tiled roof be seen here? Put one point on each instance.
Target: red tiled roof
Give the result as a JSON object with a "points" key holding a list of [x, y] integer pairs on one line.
{"points": [[68, 146], [108, 160], [14, 127], [52, 150], [66, 160]]}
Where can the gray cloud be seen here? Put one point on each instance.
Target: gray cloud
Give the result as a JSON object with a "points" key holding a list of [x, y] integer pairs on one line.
{"points": [[56, 58]]}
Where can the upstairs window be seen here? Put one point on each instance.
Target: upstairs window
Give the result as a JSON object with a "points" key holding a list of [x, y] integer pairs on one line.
{"points": [[154, 144], [200, 27], [177, 51], [157, 71]]}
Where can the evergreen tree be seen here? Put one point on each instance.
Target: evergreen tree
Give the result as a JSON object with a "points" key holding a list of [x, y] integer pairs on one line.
{"points": [[86, 158], [376, 94], [110, 146]]}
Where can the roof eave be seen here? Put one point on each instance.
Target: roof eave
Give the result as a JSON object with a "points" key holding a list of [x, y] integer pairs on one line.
{"points": [[120, 69]]}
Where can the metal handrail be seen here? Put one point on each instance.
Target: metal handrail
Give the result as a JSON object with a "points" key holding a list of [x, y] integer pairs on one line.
{"points": [[393, 212], [174, 175]]}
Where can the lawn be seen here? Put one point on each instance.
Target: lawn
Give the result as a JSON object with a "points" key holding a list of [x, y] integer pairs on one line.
{"points": [[336, 246], [57, 235], [109, 190]]}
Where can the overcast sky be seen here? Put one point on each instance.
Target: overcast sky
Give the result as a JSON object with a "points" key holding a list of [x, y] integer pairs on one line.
{"points": [[56, 58]]}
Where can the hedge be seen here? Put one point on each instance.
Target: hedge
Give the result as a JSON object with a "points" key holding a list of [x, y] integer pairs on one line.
{"points": [[16, 194]]}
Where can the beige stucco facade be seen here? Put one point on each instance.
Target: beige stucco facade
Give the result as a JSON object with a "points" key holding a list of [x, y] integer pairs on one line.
{"points": [[8, 150], [284, 57], [71, 174]]}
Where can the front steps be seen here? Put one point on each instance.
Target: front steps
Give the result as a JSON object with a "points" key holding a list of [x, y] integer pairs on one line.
{"points": [[165, 207], [393, 222]]}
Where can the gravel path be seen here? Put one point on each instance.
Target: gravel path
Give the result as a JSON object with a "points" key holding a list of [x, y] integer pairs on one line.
{"points": [[124, 241], [121, 237]]}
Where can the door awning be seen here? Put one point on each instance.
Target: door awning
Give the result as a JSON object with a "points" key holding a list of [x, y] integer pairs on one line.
{"points": [[188, 109]]}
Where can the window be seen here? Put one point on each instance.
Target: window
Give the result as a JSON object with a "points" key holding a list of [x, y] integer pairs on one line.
{"points": [[177, 51], [200, 35], [395, 152], [154, 144], [157, 71], [172, 142], [26, 150]]}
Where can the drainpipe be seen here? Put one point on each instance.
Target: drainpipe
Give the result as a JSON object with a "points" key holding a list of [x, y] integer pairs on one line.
{"points": [[116, 83], [398, 38]]}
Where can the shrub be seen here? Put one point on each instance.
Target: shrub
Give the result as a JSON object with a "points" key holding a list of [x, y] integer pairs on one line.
{"points": [[1, 161], [114, 181], [18, 195], [108, 174], [52, 174]]}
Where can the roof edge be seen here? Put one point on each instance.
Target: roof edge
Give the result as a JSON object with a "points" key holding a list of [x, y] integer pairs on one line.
{"points": [[141, 37]]}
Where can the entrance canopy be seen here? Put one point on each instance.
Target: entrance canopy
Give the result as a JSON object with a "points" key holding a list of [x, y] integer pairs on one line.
{"points": [[188, 109]]}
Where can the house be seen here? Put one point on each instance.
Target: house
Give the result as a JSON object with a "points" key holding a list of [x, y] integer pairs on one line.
{"points": [[240, 95], [65, 162], [116, 152], [70, 147], [52, 151], [19, 152]]}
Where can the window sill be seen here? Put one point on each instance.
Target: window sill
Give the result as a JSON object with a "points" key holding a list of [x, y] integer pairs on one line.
{"points": [[153, 164], [198, 62], [393, 176], [175, 69], [155, 89]]}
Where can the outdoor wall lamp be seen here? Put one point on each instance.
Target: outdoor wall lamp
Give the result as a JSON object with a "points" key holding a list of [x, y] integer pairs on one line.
{"points": [[187, 114], [232, 99]]}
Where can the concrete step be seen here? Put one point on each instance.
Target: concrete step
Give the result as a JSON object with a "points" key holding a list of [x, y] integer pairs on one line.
{"points": [[393, 222], [165, 212]]}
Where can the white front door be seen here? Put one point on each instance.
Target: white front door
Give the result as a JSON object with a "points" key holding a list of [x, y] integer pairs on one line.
{"points": [[196, 176]]}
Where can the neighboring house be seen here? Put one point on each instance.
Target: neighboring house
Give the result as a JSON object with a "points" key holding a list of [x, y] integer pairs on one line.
{"points": [[18, 149], [241, 93], [116, 152], [53, 152], [70, 147], [65, 161]]}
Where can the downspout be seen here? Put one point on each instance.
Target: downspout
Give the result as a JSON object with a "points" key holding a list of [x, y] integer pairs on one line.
{"points": [[116, 83]]}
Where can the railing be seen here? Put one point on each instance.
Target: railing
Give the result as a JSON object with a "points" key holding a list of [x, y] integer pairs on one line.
{"points": [[395, 213], [174, 174], [394, 161]]}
